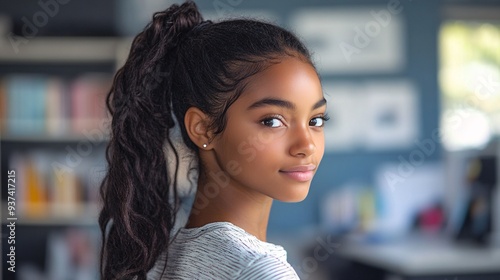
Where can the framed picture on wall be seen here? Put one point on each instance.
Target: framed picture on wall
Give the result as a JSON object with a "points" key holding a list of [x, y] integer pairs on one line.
{"points": [[353, 40]]}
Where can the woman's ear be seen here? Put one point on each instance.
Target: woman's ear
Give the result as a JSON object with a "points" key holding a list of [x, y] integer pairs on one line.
{"points": [[196, 123]]}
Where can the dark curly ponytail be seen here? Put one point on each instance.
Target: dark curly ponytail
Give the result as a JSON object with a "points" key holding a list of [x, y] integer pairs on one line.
{"points": [[179, 61], [135, 192]]}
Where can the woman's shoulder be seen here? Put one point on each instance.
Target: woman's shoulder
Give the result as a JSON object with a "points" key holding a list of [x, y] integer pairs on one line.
{"points": [[268, 267], [226, 238], [222, 250]]}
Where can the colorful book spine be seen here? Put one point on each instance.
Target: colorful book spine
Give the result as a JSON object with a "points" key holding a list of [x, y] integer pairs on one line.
{"points": [[57, 118], [26, 104], [46, 190], [38, 105], [88, 94]]}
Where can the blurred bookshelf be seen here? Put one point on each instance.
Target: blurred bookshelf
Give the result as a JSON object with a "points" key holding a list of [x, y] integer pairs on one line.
{"points": [[54, 127], [62, 49], [86, 216], [47, 138]]}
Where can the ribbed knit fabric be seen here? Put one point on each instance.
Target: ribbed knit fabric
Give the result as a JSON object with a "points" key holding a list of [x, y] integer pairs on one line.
{"points": [[220, 251]]}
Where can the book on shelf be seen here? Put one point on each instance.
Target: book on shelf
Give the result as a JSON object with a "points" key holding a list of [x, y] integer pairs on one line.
{"points": [[51, 187], [70, 253], [42, 105], [26, 104], [73, 254], [88, 97], [57, 111]]}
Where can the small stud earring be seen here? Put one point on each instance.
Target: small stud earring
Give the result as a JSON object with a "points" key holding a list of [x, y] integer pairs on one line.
{"points": [[204, 145]]}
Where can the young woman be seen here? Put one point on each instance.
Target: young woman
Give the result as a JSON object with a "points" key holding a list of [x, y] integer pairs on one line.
{"points": [[247, 104]]}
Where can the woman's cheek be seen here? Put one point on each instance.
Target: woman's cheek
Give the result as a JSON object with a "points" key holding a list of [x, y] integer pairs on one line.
{"points": [[270, 135]]}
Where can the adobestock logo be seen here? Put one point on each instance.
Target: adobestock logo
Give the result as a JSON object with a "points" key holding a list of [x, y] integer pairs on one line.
{"points": [[485, 89], [364, 35], [31, 27], [221, 179], [257, 143], [321, 252], [417, 157], [225, 7], [74, 157], [154, 77], [487, 86]]}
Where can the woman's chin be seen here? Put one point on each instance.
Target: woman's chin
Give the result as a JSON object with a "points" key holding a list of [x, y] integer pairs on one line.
{"points": [[297, 195]]}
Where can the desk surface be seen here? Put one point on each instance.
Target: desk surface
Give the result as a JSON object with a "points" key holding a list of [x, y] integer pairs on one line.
{"points": [[425, 256]]}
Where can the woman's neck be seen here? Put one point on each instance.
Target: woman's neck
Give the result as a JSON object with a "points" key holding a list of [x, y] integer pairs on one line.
{"points": [[220, 199]]}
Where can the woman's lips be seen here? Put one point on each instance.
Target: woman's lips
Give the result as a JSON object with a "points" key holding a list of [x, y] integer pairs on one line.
{"points": [[300, 173]]}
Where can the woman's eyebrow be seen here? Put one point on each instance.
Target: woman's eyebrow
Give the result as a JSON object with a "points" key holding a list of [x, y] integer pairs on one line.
{"points": [[320, 103], [281, 103], [272, 102]]}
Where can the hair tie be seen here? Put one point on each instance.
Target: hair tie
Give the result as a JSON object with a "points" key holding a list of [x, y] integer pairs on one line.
{"points": [[202, 25], [197, 28]]}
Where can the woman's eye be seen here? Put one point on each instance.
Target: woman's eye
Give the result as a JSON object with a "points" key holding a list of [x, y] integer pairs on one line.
{"points": [[272, 122], [318, 121]]}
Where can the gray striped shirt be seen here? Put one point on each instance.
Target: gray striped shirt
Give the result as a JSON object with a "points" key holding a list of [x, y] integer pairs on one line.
{"points": [[222, 250]]}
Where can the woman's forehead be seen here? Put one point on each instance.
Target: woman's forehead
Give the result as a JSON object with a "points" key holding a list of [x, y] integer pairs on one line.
{"points": [[291, 79]]}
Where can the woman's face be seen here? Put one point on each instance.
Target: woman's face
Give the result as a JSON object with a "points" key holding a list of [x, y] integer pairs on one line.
{"points": [[274, 140]]}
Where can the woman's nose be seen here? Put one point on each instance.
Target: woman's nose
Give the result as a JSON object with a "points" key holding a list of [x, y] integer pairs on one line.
{"points": [[303, 142]]}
